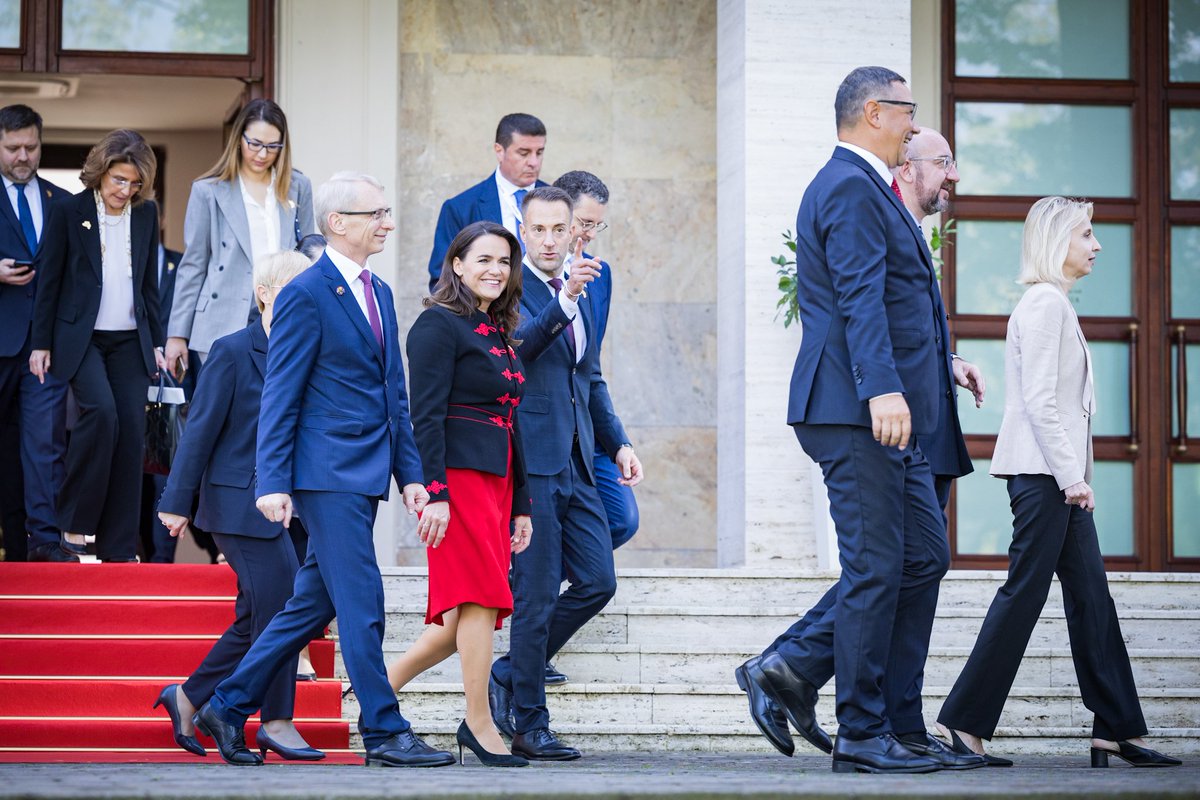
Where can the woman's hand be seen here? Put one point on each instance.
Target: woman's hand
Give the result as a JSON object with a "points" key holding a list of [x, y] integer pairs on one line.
{"points": [[522, 533], [175, 523], [177, 356], [1080, 494], [434, 521], [160, 360], [39, 364]]}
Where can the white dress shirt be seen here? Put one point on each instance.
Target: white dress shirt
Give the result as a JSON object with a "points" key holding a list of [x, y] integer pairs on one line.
{"points": [[263, 219], [350, 271], [116, 290], [509, 209], [569, 307], [35, 202]]}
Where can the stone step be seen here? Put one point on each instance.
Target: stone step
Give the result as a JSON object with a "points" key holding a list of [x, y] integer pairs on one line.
{"points": [[622, 663], [801, 589], [680, 707], [755, 628]]}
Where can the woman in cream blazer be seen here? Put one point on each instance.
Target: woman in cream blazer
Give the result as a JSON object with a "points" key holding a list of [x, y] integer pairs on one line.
{"points": [[1044, 451]]}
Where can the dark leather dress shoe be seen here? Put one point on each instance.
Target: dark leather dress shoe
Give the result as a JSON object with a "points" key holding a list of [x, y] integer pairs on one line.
{"points": [[797, 696], [879, 754], [265, 743], [500, 702], [168, 699], [960, 747], [407, 750], [51, 553], [766, 713], [541, 744], [553, 677], [230, 739], [931, 747]]}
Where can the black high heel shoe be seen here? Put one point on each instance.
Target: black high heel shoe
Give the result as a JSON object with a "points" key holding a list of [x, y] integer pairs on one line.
{"points": [[167, 698], [959, 746], [1135, 756], [265, 743], [486, 757]]}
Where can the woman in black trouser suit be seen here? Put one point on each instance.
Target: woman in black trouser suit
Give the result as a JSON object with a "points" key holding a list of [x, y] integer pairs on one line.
{"points": [[217, 457], [1044, 450], [96, 323]]}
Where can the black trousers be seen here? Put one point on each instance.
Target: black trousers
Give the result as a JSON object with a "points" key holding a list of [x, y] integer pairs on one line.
{"points": [[1049, 537], [102, 492], [265, 571]]}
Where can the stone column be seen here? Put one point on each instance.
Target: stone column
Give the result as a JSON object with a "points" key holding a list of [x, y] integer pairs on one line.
{"points": [[779, 63], [338, 81]]}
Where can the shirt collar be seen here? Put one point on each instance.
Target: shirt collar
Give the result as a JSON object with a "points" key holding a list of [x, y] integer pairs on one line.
{"points": [[541, 275], [270, 189], [508, 188], [8, 183], [347, 266], [875, 162]]}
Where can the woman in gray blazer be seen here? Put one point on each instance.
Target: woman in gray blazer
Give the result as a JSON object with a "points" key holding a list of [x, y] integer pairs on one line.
{"points": [[1044, 451], [249, 204]]}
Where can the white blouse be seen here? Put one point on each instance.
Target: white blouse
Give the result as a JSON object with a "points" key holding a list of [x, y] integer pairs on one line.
{"points": [[116, 291], [263, 220]]}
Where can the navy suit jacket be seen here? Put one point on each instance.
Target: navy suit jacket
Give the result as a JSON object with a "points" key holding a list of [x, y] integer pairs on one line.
{"points": [[562, 398], [216, 455], [599, 294], [480, 202], [16, 302], [70, 281], [869, 303], [166, 282], [334, 412]]}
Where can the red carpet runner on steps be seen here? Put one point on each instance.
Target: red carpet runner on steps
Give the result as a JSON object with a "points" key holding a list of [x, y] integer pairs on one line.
{"points": [[85, 649]]}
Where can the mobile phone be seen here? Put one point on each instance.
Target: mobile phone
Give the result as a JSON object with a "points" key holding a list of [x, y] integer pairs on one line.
{"points": [[20, 263]]}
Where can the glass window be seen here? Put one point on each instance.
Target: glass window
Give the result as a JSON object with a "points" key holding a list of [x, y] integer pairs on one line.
{"points": [[988, 355], [1185, 271], [1110, 369], [1183, 31], [151, 26], [1042, 149], [10, 23], [1185, 153], [1185, 499], [984, 518], [1193, 387], [1042, 38], [987, 259]]}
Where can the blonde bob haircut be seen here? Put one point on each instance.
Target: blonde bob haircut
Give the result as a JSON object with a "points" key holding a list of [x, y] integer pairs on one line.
{"points": [[1047, 237], [276, 269], [121, 146]]}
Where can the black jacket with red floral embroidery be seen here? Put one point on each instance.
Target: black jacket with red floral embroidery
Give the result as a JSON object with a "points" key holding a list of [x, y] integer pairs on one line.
{"points": [[464, 386]]}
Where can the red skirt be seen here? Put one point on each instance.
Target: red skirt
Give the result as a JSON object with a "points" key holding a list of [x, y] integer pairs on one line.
{"points": [[471, 564]]}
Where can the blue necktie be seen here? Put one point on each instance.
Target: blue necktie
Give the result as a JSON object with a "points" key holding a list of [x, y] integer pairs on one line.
{"points": [[25, 214], [519, 196]]}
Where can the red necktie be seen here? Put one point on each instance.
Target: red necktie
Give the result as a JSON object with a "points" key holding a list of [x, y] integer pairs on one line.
{"points": [[896, 189]]}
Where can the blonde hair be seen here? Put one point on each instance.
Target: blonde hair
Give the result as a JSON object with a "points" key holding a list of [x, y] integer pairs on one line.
{"points": [[276, 269], [1047, 237], [227, 166], [122, 146]]}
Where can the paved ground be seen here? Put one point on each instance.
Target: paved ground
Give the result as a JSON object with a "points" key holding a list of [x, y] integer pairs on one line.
{"points": [[678, 776]]}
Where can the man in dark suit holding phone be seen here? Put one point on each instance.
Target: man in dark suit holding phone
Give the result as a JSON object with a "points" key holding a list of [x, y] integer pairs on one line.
{"points": [[31, 413]]}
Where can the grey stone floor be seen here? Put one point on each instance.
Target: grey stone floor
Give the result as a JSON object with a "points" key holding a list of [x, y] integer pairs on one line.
{"points": [[680, 776]]}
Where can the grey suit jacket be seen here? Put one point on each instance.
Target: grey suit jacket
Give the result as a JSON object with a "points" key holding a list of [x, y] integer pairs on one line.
{"points": [[214, 285], [1050, 397]]}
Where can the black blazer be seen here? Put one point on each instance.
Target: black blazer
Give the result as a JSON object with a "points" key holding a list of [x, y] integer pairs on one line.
{"points": [[16, 302], [70, 275], [216, 455], [465, 384]]}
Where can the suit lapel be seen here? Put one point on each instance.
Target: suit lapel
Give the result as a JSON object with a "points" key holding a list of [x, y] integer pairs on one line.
{"points": [[229, 200], [287, 220], [10, 216], [489, 202], [89, 230], [536, 295], [140, 233], [258, 347], [345, 298]]}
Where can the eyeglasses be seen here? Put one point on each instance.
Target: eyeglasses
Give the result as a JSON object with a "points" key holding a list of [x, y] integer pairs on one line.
{"points": [[591, 227], [912, 107], [257, 147], [945, 163], [122, 183], [378, 215]]}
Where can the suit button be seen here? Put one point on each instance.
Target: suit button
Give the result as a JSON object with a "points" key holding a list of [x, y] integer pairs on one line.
{"points": [[223, 244], [858, 380], [214, 295], [949, 393], [221, 268], [938, 339]]}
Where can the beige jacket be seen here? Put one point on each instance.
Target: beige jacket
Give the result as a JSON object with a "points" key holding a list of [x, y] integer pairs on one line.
{"points": [[1050, 398]]}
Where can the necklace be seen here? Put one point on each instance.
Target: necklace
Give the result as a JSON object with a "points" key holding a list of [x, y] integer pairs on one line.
{"points": [[122, 220]]}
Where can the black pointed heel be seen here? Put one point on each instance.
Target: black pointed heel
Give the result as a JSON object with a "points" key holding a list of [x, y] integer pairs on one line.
{"points": [[1133, 755], [486, 757], [959, 746], [265, 743], [167, 698]]}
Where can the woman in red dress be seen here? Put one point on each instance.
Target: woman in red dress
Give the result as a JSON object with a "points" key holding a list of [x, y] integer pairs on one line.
{"points": [[465, 383]]}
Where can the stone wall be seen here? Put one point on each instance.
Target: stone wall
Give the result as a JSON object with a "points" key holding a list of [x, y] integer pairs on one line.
{"points": [[627, 89]]}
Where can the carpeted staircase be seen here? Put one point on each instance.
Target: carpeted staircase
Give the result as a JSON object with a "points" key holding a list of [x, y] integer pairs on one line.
{"points": [[85, 649]]}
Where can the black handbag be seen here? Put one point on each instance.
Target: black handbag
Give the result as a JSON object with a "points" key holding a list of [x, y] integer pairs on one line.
{"points": [[164, 426]]}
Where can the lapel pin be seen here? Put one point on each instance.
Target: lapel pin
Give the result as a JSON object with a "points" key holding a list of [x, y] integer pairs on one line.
{"points": [[87, 224], [47, 193], [341, 291], [170, 266]]}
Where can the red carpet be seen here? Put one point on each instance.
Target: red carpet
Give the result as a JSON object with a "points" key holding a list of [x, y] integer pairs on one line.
{"points": [[85, 649]]}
